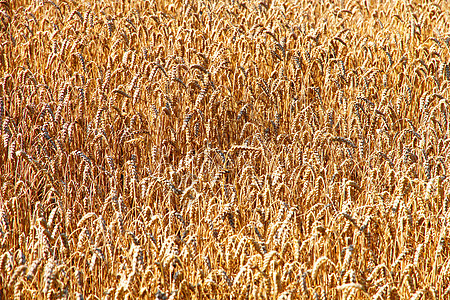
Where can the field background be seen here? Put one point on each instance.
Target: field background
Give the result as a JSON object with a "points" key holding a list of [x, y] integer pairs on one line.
{"points": [[224, 149]]}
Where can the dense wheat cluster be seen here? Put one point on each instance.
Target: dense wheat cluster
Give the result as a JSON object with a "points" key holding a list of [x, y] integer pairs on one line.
{"points": [[224, 149]]}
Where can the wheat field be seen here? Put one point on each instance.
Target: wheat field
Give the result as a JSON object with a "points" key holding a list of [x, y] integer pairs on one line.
{"points": [[224, 149]]}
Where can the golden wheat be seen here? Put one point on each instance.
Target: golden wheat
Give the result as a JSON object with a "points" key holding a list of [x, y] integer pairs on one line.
{"points": [[224, 149]]}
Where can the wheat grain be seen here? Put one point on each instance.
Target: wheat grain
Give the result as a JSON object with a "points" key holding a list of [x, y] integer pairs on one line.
{"points": [[302, 151]]}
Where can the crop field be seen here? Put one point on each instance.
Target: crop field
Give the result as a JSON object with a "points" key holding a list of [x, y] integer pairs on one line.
{"points": [[224, 149]]}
